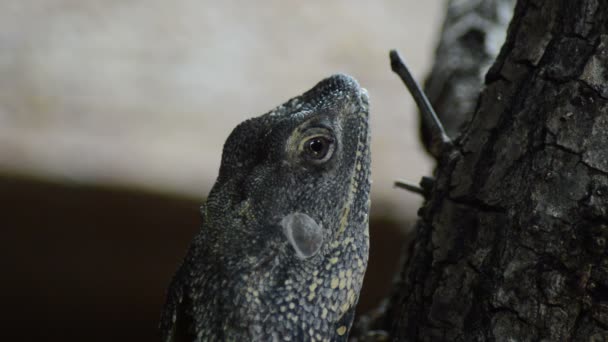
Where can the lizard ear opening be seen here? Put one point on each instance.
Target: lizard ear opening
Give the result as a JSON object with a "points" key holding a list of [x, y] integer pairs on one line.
{"points": [[303, 233]]}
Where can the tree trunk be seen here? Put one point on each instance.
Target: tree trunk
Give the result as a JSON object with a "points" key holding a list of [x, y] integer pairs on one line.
{"points": [[511, 245], [472, 34]]}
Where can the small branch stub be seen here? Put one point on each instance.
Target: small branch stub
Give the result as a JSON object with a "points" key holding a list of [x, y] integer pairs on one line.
{"points": [[403, 184], [425, 188]]}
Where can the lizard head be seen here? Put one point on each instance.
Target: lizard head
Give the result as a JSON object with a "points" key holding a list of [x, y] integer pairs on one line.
{"points": [[284, 242], [295, 179]]}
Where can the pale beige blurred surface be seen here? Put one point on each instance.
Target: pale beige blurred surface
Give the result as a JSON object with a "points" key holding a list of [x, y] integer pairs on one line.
{"points": [[144, 93]]}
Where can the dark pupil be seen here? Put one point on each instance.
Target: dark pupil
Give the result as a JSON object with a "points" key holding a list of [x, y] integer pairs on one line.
{"points": [[318, 147]]}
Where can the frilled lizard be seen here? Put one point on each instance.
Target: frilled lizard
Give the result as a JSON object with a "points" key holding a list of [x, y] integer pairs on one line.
{"points": [[284, 241]]}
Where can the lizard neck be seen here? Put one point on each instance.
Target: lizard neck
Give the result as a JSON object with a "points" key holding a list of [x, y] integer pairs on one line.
{"points": [[283, 296]]}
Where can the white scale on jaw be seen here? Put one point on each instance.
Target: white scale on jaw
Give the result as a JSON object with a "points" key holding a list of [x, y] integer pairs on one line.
{"points": [[303, 233]]}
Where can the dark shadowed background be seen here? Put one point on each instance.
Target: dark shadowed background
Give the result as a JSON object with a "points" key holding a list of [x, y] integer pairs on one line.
{"points": [[112, 119]]}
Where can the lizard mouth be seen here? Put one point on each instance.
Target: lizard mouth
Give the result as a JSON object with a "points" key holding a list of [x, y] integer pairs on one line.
{"points": [[364, 95]]}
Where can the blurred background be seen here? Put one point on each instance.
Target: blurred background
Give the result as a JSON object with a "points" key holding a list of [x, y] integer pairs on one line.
{"points": [[112, 119]]}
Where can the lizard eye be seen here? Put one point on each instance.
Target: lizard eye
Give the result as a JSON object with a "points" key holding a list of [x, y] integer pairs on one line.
{"points": [[318, 148]]}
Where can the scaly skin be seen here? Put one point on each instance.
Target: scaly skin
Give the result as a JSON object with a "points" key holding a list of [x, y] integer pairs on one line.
{"points": [[251, 273]]}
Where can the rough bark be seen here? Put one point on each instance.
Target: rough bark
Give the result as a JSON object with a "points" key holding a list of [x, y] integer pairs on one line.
{"points": [[472, 34], [511, 245]]}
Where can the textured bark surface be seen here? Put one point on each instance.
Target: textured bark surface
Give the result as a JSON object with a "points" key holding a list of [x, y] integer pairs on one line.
{"points": [[512, 243], [472, 34]]}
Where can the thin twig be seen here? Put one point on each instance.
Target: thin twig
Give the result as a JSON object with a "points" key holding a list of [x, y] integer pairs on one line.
{"points": [[440, 139]]}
